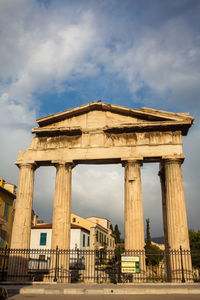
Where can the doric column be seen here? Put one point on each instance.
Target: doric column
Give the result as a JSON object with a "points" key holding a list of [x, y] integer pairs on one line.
{"points": [[176, 218], [175, 221], [164, 210], [22, 220], [62, 206], [133, 210]]}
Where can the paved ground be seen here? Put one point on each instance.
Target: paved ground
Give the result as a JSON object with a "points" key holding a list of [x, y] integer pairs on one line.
{"points": [[105, 297], [103, 289]]}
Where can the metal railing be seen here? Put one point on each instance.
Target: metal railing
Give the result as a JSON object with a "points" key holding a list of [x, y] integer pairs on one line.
{"points": [[99, 266]]}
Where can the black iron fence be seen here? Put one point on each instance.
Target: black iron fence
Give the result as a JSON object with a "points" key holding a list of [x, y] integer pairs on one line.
{"points": [[99, 266]]}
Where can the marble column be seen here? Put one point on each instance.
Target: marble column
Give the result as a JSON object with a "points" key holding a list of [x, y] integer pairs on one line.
{"points": [[21, 231], [175, 219], [164, 210], [22, 219], [133, 216], [164, 213], [133, 212], [62, 206]]}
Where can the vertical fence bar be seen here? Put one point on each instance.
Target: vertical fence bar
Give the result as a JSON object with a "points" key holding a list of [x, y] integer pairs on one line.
{"points": [[56, 265], [4, 263], [182, 269]]}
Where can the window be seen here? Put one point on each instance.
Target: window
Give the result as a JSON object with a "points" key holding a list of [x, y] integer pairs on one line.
{"points": [[2, 238], [6, 209], [97, 236], [83, 240], [74, 220], [107, 241], [88, 241], [43, 239], [102, 239]]}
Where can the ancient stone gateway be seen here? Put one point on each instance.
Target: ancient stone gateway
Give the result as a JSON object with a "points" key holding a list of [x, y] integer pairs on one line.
{"points": [[99, 133]]}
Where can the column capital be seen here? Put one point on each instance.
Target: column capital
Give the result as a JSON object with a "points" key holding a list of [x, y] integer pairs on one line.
{"points": [[60, 163], [172, 159], [27, 164], [128, 161]]}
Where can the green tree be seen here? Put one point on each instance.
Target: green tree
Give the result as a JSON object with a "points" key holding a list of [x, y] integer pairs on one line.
{"points": [[117, 234], [195, 247], [153, 253], [111, 227], [148, 235]]}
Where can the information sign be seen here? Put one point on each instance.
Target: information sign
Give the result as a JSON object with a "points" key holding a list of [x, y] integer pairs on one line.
{"points": [[130, 264]]}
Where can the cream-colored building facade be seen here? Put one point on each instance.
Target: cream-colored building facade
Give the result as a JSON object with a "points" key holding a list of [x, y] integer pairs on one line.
{"points": [[101, 236], [7, 204], [97, 237], [99, 133]]}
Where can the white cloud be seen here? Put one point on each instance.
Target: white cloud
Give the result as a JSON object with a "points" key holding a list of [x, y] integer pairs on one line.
{"points": [[48, 48], [164, 59]]}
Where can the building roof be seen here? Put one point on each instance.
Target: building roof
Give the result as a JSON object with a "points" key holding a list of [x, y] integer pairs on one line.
{"points": [[144, 112], [49, 226], [152, 120], [11, 195], [98, 218]]}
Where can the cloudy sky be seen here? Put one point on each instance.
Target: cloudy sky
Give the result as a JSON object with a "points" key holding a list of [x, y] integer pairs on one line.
{"points": [[56, 55]]}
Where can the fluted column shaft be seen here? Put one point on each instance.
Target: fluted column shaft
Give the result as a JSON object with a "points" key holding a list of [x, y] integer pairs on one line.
{"points": [[164, 210], [62, 207], [176, 218], [134, 226], [22, 220]]}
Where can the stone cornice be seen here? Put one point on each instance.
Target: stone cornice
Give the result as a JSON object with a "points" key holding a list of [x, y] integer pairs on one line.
{"points": [[151, 126], [54, 131], [143, 113]]}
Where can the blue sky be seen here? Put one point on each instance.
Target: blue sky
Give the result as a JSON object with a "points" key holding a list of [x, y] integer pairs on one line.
{"points": [[56, 55]]}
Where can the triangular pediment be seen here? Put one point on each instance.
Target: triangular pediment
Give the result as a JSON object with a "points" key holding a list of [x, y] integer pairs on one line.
{"points": [[110, 117]]}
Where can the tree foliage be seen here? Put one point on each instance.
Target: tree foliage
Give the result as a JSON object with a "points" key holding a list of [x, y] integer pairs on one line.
{"points": [[153, 253], [148, 235], [111, 227], [195, 247], [117, 234]]}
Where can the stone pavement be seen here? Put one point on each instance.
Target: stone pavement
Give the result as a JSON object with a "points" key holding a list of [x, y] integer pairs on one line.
{"points": [[102, 289]]}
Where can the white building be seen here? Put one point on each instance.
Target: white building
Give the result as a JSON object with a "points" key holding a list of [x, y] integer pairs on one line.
{"points": [[41, 237], [92, 233]]}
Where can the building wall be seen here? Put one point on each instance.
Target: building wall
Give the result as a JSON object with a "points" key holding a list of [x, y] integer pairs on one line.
{"points": [[79, 239], [101, 221], [76, 238], [7, 196], [102, 230], [85, 223], [96, 235], [35, 238], [104, 239]]}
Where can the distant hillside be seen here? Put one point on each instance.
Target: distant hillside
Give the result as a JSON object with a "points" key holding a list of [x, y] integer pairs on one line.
{"points": [[158, 240]]}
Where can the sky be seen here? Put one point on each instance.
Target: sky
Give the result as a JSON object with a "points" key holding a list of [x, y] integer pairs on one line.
{"points": [[56, 55]]}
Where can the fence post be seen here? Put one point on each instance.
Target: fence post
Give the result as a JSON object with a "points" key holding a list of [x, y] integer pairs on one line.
{"points": [[56, 266], [182, 270], [3, 267]]}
